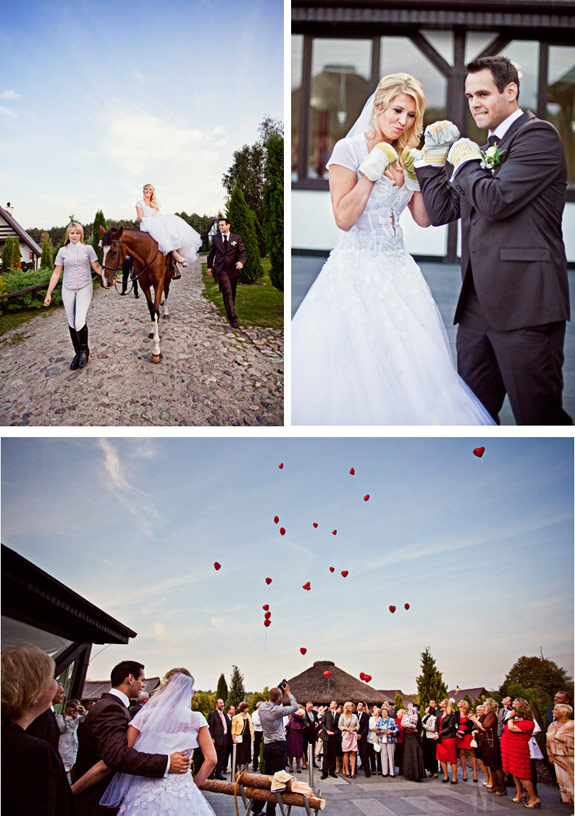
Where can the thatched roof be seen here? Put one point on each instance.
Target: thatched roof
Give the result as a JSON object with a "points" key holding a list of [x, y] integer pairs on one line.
{"points": [[312, 685], [93, 689]]}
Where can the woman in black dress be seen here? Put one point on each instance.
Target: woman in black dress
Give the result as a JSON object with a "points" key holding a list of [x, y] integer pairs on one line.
{"points": [[489, 744], [33, 776]]}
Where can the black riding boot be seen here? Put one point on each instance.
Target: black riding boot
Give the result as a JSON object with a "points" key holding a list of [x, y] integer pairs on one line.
{"points": [[76, 343], [84, 350]]}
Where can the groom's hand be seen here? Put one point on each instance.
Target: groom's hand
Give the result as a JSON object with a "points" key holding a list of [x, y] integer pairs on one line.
{"points": [[179, 763], [374, 166], [438, 138], [408, 158], [462, 151]]}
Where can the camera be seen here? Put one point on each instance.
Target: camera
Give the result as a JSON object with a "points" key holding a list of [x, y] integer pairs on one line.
{"points": [[283, 684]]}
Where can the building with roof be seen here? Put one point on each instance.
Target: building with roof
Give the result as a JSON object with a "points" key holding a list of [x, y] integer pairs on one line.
{"points": [[30, 252], [93, 689], [312, 684], [39, 609]]}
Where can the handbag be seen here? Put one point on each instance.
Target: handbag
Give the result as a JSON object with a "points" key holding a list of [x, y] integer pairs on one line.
{"points": [[376, 747], [473, 743]]}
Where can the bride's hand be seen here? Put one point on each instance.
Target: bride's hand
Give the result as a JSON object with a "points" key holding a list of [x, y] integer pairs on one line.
{"points": [[395, 174]]}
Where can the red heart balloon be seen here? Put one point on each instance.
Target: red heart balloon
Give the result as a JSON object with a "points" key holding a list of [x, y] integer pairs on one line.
{"points": [[361, 676], [307, 586], [276, 519], [267, 622], [332, 569], [406, 606], [265, 607], [217, 565], [315, 524], [282, 530], [392, 609], [345, 573], [352, 471], [367, 678], [327, 674], [267, 615], [268, 581], [281, 464], [303, 650], [478, 452], [334, 532], [366, 497]]}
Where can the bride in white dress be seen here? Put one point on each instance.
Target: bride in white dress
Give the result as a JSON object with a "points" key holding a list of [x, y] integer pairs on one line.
{"points": [[166, 724], [368, 343], [171, 232]]}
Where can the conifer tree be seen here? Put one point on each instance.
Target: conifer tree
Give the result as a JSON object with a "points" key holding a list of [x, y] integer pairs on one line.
{"points": [[242, 222], [430, 685], [398, 703], [274, 209], [7, 255], [16, 262], [237, 692], [46, 260], [96, 236], [222, 689]]}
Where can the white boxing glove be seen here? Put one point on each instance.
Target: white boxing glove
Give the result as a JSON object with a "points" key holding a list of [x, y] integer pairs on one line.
{"points": [[374, 166], [438, 139]]}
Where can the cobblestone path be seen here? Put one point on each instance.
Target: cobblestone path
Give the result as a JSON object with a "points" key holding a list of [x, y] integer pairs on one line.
{"points": [[209, 374]]}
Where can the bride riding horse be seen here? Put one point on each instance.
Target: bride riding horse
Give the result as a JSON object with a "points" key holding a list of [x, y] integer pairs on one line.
{"points": [[152, 268]]}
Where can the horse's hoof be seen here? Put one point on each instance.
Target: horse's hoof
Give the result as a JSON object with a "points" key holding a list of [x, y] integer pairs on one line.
{"points": [[151, 336], [156, 357], [166, 317]]}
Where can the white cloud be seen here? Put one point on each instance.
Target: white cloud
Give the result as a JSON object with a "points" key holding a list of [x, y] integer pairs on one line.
{"points": [[7, 112], [10, 95]]}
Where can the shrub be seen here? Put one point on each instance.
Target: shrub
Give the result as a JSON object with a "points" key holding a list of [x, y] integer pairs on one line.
{"points": [[16, 280], [46, 260], [242, 222], [274, 209]]}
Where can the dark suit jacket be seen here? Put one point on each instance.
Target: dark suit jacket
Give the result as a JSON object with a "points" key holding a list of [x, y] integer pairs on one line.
{"points": [[104, 736], [310, 726], [222, 258], [512, 242], [363, 725], [217, 730], [46, 728], [447, 728], [34, 781], [329, 722]]}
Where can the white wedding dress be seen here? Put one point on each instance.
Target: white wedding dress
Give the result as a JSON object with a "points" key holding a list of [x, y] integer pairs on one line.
{"points": [[171, 232], [175, 794], [368, 343]]}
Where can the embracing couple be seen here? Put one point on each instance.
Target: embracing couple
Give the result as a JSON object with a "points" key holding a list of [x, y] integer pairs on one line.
{"points": [[150, 754], [369, 346]]}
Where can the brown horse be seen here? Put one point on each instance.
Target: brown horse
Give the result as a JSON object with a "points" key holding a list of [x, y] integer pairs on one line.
{"points": [[152, 268]]}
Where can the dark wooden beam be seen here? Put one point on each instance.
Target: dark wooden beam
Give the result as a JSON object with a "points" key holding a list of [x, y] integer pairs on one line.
{"points": [[495, 46], [432, 55]]}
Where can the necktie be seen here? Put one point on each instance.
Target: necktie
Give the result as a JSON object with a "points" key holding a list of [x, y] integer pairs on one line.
{"points": [[492, 139]]}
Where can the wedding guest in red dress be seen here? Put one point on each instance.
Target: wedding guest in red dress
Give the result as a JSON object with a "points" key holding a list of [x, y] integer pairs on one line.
{"points": [[515, 755], [464, 738], [446, 735]]}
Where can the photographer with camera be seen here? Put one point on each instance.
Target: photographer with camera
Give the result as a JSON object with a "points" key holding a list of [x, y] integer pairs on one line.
{"points": [[68, 725], [272, 714]]}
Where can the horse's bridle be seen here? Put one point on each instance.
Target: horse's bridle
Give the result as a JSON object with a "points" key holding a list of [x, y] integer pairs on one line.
{"points": [[115, 269]]}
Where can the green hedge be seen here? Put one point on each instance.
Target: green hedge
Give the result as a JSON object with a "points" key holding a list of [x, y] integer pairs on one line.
{"points": [[16, 279]]}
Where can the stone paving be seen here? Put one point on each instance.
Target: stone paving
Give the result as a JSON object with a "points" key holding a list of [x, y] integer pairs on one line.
{"points": [[209, 374], [399, 797]]}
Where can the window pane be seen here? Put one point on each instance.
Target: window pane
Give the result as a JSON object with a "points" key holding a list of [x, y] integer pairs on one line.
{"points": [[561, 101], [296, 74], [399, 54], [475, 42], [442, 41], [340, 86]]}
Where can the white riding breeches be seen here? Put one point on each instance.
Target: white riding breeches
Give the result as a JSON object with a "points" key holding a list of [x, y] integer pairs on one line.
{"points": [[76, 303]]}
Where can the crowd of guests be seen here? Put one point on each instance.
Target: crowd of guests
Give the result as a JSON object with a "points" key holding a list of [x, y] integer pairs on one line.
{"points": [[497, 739]]}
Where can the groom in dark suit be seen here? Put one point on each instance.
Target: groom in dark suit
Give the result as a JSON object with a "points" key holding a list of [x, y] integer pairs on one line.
{"points": [[226, 260], [514, 300], [104, 736]]}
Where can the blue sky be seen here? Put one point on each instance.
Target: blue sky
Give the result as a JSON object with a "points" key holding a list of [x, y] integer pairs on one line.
{"points": [[99, 98], [481, 549]]}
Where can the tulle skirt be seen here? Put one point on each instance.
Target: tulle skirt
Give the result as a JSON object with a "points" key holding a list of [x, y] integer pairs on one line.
{"points": [[174, 795], [172, 232], [369, 346]]}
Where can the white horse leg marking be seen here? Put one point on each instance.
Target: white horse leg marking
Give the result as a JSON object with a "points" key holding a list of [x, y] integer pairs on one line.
{"points": [[105, 251], [166, 310], [156, 339]]}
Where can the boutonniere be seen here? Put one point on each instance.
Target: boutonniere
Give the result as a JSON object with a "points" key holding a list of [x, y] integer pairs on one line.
{"points": [[233, 243], [491, 157]]}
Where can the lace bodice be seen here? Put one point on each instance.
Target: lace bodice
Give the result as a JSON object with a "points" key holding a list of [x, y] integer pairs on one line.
{"points": [[147, 212], [378, 228]]}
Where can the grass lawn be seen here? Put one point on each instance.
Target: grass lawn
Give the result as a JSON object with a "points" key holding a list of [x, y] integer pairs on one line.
{"points": [[258, 304]]}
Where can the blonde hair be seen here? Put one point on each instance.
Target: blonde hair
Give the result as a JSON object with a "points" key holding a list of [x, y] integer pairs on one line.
{"points": [[345, 706], [74, 225], [465, 705], [153, 203], [449, 709], [27, 674], [389, 87], [564, 709], [166, 678], [490, 706], [522, 708]]}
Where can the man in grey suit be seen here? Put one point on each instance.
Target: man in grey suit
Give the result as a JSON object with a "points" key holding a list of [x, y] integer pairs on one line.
{"points": [[514, 300]]}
